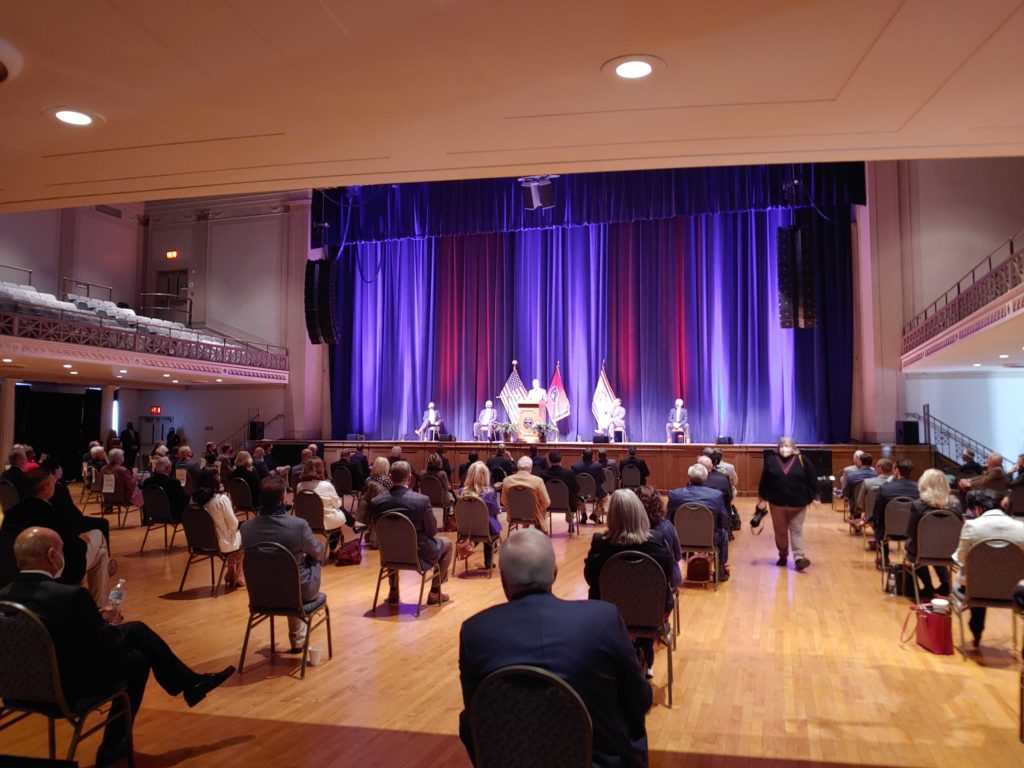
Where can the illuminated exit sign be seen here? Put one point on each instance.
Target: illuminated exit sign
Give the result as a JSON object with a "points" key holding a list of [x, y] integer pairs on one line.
{"points": [[155, 410]]}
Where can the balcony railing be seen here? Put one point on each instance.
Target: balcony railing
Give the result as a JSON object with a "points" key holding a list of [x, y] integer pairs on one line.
{"points": [[976, 289]]}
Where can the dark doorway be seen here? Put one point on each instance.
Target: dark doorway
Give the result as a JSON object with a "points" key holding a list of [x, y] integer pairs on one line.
{"points": [[59, 424]]}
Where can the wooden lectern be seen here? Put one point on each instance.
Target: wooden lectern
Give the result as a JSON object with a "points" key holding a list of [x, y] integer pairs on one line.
{"points": [[531, 413]]}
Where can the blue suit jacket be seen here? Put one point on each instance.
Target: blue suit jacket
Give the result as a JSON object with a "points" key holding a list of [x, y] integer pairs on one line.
{"points": [[699, 494], [582, 641]]}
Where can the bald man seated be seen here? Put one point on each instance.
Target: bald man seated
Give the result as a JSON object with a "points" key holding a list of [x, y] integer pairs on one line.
{"points": [[584, 642], [96, 652]]}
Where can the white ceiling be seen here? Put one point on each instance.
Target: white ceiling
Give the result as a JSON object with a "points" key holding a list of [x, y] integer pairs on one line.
{"points": [[207, 97]]}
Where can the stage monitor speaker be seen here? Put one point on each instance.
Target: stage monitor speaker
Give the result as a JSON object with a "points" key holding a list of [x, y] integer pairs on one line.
{"points": [[797, 279], [601, 439], [723, 440], [354, 436], [444, 437], [255, 430], [908, 433]]}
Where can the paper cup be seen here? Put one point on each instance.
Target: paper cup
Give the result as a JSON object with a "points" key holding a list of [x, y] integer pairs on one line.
{"points": [[315, 652], [940, 605]]}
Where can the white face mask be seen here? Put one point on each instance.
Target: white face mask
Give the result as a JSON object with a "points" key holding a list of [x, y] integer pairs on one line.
{"points": [[785, 451]]}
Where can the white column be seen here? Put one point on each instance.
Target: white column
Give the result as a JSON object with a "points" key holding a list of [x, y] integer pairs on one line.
{"points": [[107, 410], [6, 418]]}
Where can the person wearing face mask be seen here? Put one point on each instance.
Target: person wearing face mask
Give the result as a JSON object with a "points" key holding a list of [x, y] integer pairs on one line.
{"points": [[789, 482], [96, 652]]}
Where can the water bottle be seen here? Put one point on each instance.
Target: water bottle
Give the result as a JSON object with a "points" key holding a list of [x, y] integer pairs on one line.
{"points": [[117, 594], [892, 583]]}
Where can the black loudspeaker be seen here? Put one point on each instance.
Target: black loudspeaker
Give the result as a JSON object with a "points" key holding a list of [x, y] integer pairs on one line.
{"points": [[321, 300], [907, 433], [797, 278], [354, 436], [255, 430], [444, 437], [723, 440], [601, 439]]}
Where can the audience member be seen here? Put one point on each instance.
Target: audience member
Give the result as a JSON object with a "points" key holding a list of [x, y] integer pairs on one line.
{"points": [[863, 471], [259, 463], [96, 652], [188, 462], [655, 509], [378, 483], [68, 510], [210, 454], [396, 454], [540, 462], [31, 462], [360, 456], [631, 460], [433, 549], [478, 486], [161, 478], [933, 494], [698, 492], [445, 464], [583, 642], [97, 458], [993, 478], [15, 473], [587, 466], [900, 485], [313, 479], [844, 475], [218, 506], [970, 466], [789, 482], [244, 471], [500, 464], [557, 472], [883, 470], [629, 531], [524, 478], [273, 524], [991, 523], [86, 553], [717, 480], [355, 469], [435, 468], [605, 463], [123, 477], [173, 441], [472, 459], [727, 469]]}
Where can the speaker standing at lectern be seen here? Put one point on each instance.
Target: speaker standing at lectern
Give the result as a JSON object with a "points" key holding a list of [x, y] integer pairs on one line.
{"points": [[537, 393], [432, 422]]}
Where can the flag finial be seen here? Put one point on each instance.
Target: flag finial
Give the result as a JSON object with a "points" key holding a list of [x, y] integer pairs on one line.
{"points": [[515, 363]]}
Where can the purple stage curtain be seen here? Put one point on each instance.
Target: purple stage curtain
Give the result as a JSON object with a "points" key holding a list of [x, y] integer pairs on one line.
{"points": [[681, 306]]}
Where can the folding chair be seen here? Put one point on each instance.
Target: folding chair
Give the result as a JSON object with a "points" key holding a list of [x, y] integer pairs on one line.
{"points": [[522, 508], [695, 526], [396, 538], [473, 523], [201, 536], [156, 513], [993, 568]]}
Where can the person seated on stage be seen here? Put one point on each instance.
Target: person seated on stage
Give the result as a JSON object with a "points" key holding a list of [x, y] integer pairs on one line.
{"points": [[605, 463], [432, 549], [900, 485], [990, 522], [584, 642], [314, 479], [629, 531], [654, 506], [478, 486], [123, 477], [86, 550], [863, 471], [188, 462], [435, 468], [259, 462], [483, 427], [616, 420], [540, 463], [464, 468], [587, 466], [432, 422], [208, 496], [245, 470], [161, 478], [97, 651], [500, 464], [15, 474], [557, 472], [632, 461], [970, 467], [537, 393], [274, 524], [992, 479], [717, 480], [678, 421], [524, 478], [933, 489], [699, 493]]}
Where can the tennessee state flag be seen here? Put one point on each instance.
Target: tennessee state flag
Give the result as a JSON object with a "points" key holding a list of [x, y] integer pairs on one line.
{"points": [[558, 400]]}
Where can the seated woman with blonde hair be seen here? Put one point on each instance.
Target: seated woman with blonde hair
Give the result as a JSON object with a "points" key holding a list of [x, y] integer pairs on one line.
{"points": [[934, 494], [314, 478], [477, 485]]}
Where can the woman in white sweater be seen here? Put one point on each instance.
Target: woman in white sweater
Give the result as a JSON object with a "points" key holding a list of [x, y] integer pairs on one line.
{"points": [[218, 506], [313, 478]]}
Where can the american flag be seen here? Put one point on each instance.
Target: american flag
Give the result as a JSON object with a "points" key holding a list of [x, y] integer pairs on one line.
{"points": [[512, 394]]}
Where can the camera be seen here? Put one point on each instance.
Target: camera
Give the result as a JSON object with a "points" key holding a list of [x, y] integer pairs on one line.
{"points": [[760, 511]]}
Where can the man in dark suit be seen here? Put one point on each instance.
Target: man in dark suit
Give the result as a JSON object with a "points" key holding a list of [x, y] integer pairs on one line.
{"points": [[900, 485], [587, 466], [355, 469], [970, 467], [557, 472], [130, 444], [431, 547], [862, 471], [85, 551], [14, 474], [584, 642], [540, 463], [501, 461], [633, 461], [606, 463], [464, 468], [275, 525], [188, 462], [699, 493], [360, 456], [161, 478], [445, 464], [716, 480], [96, 653]]}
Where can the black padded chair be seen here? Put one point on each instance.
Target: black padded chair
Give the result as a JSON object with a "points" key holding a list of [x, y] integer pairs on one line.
{"points": [[631, 477], [341, 478], [695, 527], [310, 507], [937, 537], [552, 728], [396, 538], [201, 535], [588, 490], [993, 568], [635, 583], [432, 487], [113, 498], [241, 496], [897, 521], [156, 513], [558, 492], [30, 683], [272, 580]]}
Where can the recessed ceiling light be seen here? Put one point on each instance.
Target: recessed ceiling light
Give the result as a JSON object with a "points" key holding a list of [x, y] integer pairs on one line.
{"points": [[1004, 357], [119, 376], [122, 371], [73, 117], [167, 375], [68, 365], [73, 373], [634, 66], [174, 381], [977, 365], [9, 360], [219, 380]]}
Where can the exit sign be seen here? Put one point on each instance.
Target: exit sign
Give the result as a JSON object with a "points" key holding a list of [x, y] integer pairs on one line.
{"points": [[155, 410]]}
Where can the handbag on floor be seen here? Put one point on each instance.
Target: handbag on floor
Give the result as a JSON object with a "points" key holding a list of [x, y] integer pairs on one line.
{"points": [[934, 630], [349, 552]]}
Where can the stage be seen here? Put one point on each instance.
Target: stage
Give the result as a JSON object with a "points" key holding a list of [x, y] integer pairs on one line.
{"points": [[667, 462]]}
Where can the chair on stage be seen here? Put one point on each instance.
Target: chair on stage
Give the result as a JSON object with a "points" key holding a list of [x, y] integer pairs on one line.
{"points": [[552, 727], [683, 431]]}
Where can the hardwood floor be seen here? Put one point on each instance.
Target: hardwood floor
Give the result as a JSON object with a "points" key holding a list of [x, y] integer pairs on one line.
{"points": [[778, 668]]}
